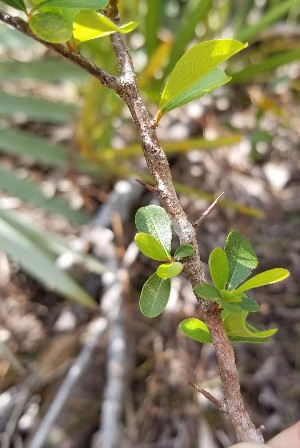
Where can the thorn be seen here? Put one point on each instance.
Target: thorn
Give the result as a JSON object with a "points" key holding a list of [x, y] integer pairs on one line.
{"points": [[208, 395], [208, 211], [147, 186]]}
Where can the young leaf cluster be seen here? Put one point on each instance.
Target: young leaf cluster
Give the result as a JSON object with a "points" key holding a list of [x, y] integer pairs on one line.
{"points": [[154, 240], [60, 21], [229, 270]]}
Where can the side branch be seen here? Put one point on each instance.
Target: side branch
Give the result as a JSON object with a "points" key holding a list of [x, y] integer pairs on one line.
{"points": [[105, 78]]}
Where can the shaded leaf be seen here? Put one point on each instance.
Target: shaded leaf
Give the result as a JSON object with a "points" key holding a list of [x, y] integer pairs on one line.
{"points": [[229, 296], [218, 267], [264, 278], [169, 270], [51, 27], [154, 220], [151, 247], [155, 295], [238, 330], [207, 291], [195, 329], [17, 4], [91, 25], [249, 304], [184, 251], [241, 259], [198, 63]]}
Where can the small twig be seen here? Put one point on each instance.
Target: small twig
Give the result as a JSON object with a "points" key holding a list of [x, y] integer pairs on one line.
{"points": [[96, 331], [208, 395], [207, 212], [147, 186]]}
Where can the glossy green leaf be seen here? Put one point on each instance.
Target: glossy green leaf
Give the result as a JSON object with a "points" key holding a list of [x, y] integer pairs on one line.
{"points": [[51, 27], [91, 25], [155, 295], [239, 330], [151, 247], [207, 291], [184, 251], [154, 220], [74, 4], [17, 4], [195, 329], [264, 278], [195, 73], [218, 267], [169, 270], [241, 259], [39, 263]]}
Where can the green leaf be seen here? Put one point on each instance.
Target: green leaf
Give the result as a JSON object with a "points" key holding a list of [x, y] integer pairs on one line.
{"points": [[195, 329], [184, 251], [91, 25], [39, 263], [241, 259], [249, 305], [155, 295], [150, 247], [195, 74], [51, 27], [169, 270], [218, 267], [155, 221], [239, 330], [229, 297], [264, 278], [74, 4], [207, 291], [17, 4]]}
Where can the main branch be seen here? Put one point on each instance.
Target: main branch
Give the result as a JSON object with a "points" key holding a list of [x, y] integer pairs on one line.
{"points": [[126, 87]]}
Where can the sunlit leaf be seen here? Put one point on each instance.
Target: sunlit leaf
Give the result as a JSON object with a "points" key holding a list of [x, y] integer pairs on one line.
{"points": [[264, 278], [91, 25], [151, 247], [229, 297], [155, 295], [195, 329], [218, 267], [169, 270], [241, 258], [154, 220], [239, 330], [207, 291], [195, 73], [51, 27]]}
